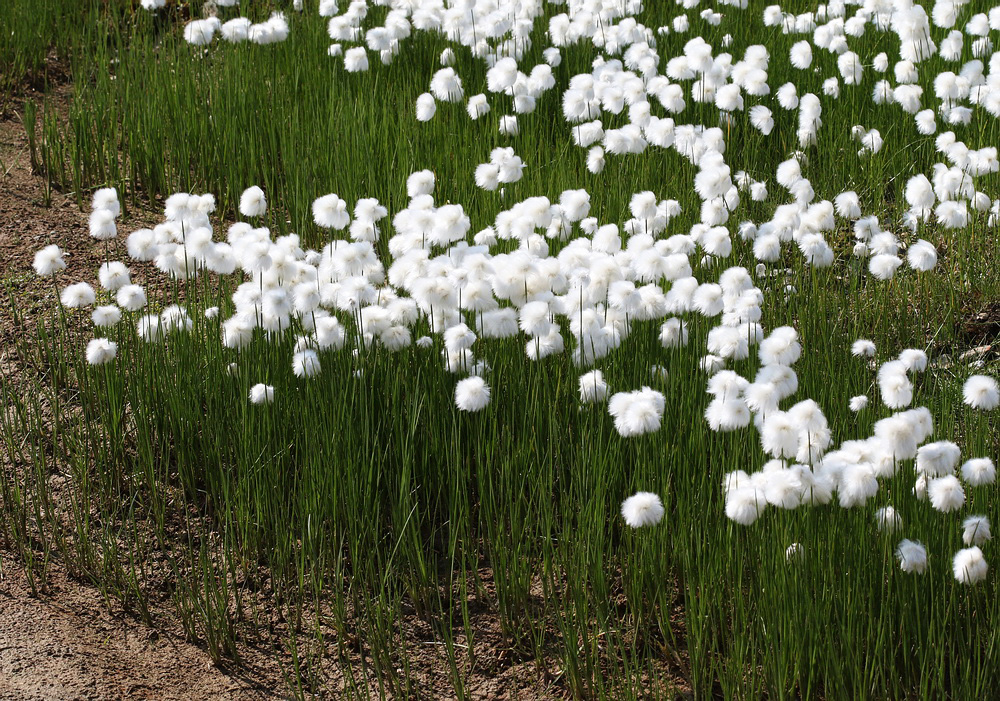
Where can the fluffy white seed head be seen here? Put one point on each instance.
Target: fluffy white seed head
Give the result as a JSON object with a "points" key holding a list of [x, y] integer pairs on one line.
{"points": [[642, 509]]}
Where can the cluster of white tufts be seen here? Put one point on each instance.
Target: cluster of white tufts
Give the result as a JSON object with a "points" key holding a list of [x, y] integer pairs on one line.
{"points": [[553, 274]]}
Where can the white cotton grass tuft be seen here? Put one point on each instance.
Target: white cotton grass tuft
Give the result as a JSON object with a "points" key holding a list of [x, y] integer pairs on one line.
{"points": [[858, 403], [888, 520], [106, 198], [131, 298], [794, 553], [922, 256], [976, 530], [981, 392], [912, 556], [978, 472], [330, 212], [863, 348], [472, 394], [106, 316], [261, 394], [102, 225], [937, 459], [426, 107], [49, 261], [593, 388], [946, 493], [642, 509], [252, 202], [101, 351], [745, 504], [77, 295], [969, 566], [637, 412]]}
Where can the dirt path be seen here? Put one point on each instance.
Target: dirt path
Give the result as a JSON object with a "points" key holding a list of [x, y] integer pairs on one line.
{"points": [[66, 645]]}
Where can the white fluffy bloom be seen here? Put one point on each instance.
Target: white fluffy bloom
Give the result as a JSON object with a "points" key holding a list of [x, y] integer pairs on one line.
{"points": [[78, 295], [887, 519], [330, 212], [976, 530], [472, 394], [102, 224], [108, 315], [858, 403], [426, 107], [305, 363], [912, 556], [593, 388], [261, 394], [946, 493], [101, 351], [642, 509], [356, 60], [131, 298], [969, 565], [49, 261], [744, 505], [979, 471], [981, 392], [637, 412], [863, 348], [252, 202]]}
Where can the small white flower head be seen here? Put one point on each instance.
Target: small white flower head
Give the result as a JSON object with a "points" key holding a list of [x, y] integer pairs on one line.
{"points": [[425, 342], [863, 348], [356, 60], [131, 298], [212, 313], [914, 359], [981, 392], [107, 198], [426, 107], [78, 295], [508, 125], [261, 394], [101, 351], [946, 493], [979, 471], [252, 202], [642, 509], [637, 412], [472, 394], [794, 553], [976, 530], [305, 364], [922, 256], [113, 276], [887, 519], [593, 388], [108, 315], [744, 505], [970, 566], [102, 224], [49, 261], [858, 403], [937, 459], [912, 557], [674, 333], [330, 212], [477, 106]]}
